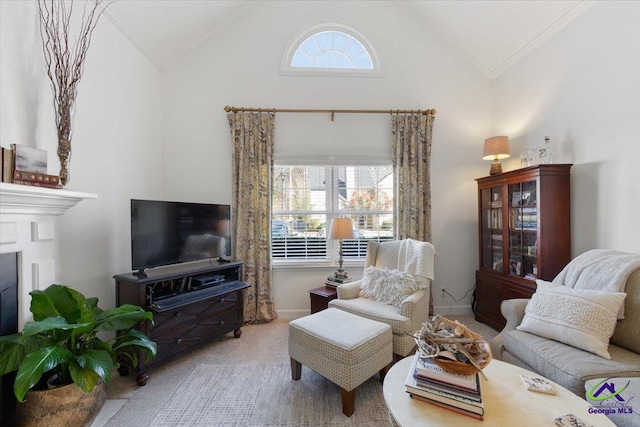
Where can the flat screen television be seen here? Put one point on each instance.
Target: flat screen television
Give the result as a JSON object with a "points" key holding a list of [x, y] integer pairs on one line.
{"points": [[165, 233]]}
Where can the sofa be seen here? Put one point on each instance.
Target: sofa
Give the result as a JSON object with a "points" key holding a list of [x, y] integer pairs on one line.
{"points": [[566, 364]]}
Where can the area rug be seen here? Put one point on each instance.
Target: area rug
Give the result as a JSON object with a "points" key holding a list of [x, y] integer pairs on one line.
{"points": [[265, 395]]}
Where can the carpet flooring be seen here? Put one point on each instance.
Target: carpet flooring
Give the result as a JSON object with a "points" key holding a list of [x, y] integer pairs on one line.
{"points": [[265, 395], [245, 382]]}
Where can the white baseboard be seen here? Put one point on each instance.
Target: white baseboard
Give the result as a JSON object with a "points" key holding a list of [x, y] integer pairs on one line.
{"points": [[291, 314], [459, 310]]}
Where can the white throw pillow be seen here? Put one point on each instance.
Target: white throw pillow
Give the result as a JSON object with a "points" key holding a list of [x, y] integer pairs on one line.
{"points": [[581, 318], [386, 285]]}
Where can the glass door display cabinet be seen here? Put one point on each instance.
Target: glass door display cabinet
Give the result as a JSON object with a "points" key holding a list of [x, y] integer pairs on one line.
{"points": [[524, 235]]}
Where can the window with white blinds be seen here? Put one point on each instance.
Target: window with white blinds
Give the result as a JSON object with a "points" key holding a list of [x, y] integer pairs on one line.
{"points": [[306, 197]]}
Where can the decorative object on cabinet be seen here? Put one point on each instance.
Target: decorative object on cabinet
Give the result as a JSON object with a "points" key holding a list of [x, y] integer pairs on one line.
{"points": [[496, 148], [340, 229], [524, 235], [65, 64], [191, 304], [544, 154]]}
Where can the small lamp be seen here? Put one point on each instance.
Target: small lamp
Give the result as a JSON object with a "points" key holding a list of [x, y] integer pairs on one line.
{"points": [[496, 148], [341, 228]]}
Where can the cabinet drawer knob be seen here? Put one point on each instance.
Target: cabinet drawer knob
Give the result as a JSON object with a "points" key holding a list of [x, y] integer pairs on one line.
{"points": [[179, 341], [222, 300]]}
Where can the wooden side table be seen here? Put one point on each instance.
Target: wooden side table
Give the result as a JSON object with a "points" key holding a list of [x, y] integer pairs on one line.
{"points": [[320, 298]]}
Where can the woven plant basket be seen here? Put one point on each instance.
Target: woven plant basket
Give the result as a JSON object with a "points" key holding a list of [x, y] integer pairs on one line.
{"points": [[66, 406]]}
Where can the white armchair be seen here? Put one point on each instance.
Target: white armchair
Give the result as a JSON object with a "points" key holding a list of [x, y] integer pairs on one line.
{"points": [[409, 256]]}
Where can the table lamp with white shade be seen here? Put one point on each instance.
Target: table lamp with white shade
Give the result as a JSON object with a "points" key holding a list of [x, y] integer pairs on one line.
{"points": [[341, 228]]}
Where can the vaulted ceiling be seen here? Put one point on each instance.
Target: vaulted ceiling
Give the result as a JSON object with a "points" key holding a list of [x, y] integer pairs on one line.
{"points": [[493, 34]]}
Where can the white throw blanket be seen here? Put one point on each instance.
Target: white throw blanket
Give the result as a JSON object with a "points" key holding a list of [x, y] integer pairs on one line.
{"points": [[417, 258], [599, 269]]}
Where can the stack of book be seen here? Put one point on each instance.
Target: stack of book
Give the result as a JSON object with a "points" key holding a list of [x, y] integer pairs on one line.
{"points": [[26, 165], [494, 218], [430, 383], [334, 282]]}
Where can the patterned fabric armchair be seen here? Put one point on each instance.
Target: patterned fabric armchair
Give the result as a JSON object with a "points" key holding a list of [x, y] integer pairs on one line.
{"points": [[409, 256]]}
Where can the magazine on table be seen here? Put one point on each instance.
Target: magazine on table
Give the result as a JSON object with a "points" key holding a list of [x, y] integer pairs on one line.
{"points": [[428, 369], [450, 397]]}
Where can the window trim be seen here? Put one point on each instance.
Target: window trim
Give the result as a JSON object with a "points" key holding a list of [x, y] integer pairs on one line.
{"points": [[287, 70]]}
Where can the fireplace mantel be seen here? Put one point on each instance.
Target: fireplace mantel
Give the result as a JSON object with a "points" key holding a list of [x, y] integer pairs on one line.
{"points": [[29, 218], [24, 199]]}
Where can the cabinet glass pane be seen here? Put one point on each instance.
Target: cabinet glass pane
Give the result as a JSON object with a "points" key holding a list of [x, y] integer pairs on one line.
{"points": [[530, 267], [529, 193], [494, 219], [515, 265], [485, 196], [523, 224], [522, 194], [492, 198], [497, 261], [492, 244], [530, 254], [491, 217], [487, 255]]}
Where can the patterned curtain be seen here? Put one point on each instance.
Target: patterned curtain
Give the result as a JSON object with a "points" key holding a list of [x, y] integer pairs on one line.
{"points": [[252, 166], [411, 164]]}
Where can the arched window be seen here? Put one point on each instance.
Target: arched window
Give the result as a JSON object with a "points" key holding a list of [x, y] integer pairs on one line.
{"points": [[330, 49]]}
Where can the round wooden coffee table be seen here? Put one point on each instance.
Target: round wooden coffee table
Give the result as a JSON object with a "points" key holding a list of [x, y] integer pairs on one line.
{"points": [[506, 401]]}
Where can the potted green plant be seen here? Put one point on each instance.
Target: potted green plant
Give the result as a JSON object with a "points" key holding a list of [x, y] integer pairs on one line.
{"points": [[63, 342]]}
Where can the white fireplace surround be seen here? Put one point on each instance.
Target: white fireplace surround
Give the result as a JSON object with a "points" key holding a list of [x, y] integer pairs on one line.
{"points": [[29, 227]]}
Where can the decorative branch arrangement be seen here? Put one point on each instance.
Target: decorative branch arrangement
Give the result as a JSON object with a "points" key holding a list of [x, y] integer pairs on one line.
{"points": [[453, 346], [65, 63]]}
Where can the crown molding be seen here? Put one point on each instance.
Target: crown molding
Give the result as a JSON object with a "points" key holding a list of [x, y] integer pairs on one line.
{"points": [[133, 37], [202, 38], [489, 71], [541, 38]]}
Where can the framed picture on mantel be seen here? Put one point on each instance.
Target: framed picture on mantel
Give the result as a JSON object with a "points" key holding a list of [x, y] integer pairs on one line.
{"points": [[30, 159]]}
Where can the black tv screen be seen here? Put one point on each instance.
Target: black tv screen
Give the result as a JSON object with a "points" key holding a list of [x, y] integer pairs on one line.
{"points": [[164, 233]]}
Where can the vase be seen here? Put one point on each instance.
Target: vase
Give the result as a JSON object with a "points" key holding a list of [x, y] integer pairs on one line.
{"points": [[64, 154], [65, 406], [64, 122]]}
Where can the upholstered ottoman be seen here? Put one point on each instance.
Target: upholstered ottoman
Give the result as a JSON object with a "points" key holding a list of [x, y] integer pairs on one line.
{"points": [[344, 348]]}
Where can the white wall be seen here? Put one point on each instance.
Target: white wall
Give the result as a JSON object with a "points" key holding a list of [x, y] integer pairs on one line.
{"points": [[117, 140], [239, 65], [582, 88]]}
